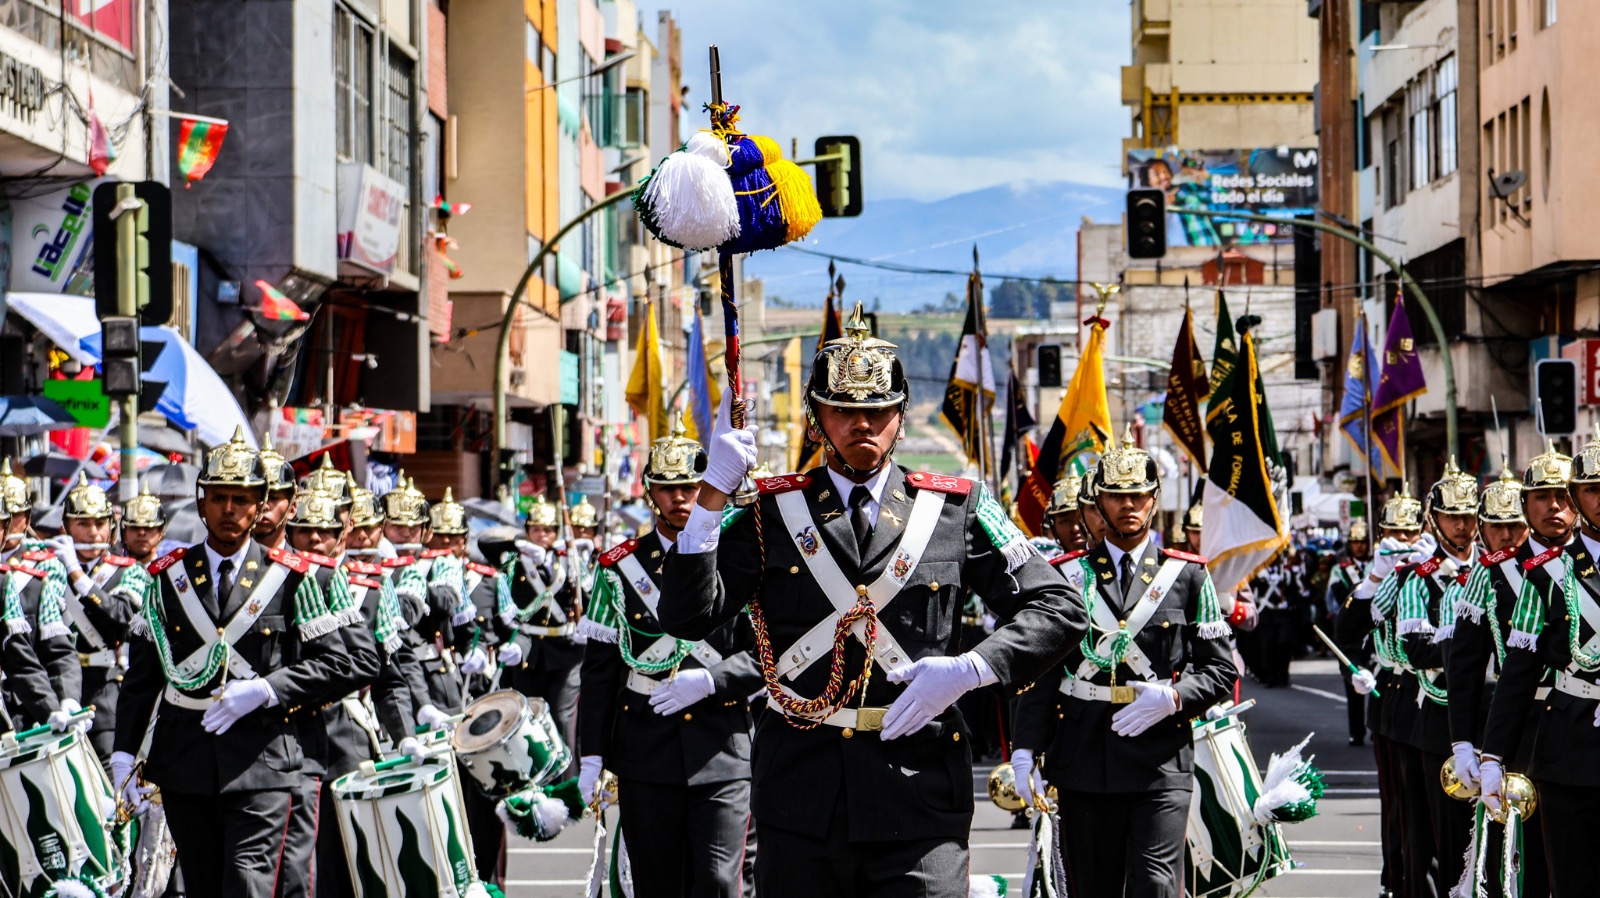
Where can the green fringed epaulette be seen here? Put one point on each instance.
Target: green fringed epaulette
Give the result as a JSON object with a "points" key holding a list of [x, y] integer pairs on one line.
{"points": [[603, 615], [311, 616], [1209, 622], [1002, 532], [505, 607], [389, 620], [340, 603]]}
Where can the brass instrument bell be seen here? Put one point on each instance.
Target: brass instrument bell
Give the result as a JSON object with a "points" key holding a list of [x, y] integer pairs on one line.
{"points": [[1003, 788], [1452, 784], [1516, 793]]}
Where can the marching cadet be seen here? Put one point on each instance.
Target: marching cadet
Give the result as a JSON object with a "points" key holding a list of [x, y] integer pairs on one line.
{"points": [[1111, 728], [144, 526], [1551, 630], [364, 537], [1342, 581], [668, 716], [862, 782], [1482, 626], [235, 642], [19, 505], [275, 511], [1064, 522], [1423, 615], [1094, 526], [43, 678], [549, 607], [435, 688]]}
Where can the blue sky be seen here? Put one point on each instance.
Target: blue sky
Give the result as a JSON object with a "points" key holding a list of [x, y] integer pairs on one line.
{"points": [[947, 96]]}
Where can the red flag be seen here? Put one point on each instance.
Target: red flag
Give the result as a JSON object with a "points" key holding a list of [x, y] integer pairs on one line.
{"points": [[101, 153], [199, 142], [276, 306]]}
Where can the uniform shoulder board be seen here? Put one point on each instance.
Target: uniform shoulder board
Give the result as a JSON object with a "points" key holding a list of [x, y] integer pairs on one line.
{"points": [[1502, 555], [38, 555], [1537, 560], [402, 561], [940, 483], [1186, 556], [118, 560], [483, 569], [363, 581], [1426, 568], [21, 568], [363, 567], [434, 553], [623, 551], [166, 561], [322, 560], [771, 485], [1065, 557], [297, 563]]}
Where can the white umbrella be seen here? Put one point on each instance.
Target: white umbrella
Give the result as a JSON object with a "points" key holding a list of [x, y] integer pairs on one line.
{"points": [[195, 398]]}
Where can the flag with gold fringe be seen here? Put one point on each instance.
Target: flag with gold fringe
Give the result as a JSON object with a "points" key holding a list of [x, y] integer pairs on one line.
{"points": [[1187, 385], [646, 381]]}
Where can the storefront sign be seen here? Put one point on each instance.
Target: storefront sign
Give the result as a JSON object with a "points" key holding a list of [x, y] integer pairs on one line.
{"points": [[82, 399], [371, 217], [22, 87], [53, 235]]}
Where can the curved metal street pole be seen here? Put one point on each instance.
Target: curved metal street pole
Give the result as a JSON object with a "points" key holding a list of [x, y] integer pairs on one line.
{"points": [[1450, 428], [502, 357]]}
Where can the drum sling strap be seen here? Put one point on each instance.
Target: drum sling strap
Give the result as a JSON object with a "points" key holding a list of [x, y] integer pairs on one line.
{"points": [[102, 575], [547, 592], [1568, 680], [1105, 621], [243, 619], [633, 572]]}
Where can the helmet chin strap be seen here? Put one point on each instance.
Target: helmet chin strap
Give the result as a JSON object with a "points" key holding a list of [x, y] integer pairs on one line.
{"points": [[1438, 532], [849, 470]]}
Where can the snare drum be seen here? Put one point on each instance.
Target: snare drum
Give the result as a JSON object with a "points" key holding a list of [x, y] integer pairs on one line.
{"points": [[508, 742], [55, 801], [404, 832], [1228, 853]]}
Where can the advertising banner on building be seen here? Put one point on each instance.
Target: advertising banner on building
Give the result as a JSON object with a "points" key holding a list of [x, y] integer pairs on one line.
{"points": [[1277, 181], [52, 235], [109, 19], [371, 214]]}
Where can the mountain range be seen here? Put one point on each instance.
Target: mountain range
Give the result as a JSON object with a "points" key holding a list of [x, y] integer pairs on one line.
{"points": [[1027, 229]]}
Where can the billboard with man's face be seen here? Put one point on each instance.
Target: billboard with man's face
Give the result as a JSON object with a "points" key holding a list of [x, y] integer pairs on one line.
{"points": [[1277, 181]]}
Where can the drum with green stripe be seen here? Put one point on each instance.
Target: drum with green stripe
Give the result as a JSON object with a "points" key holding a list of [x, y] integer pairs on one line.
{"points": [[404, 832], [509, 742], [1227, 853], [55, 800]]}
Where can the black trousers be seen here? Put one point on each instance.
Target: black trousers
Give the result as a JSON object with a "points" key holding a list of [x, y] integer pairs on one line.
{"points": [[686, 841], [1128, 845], [332, 867], [1355, 710], [230, 844], [1423, 878], [302, 838], [1451, 821], [790, 865], [559, 689], [488, 831], [1391, 816], [1565, 813]]}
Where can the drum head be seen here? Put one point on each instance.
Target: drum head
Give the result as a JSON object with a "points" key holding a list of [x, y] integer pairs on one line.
{"points": [[491, 720], [355, 786]]}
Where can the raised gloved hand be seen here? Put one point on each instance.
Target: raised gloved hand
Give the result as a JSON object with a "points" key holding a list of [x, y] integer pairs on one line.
{"points": [[433, 718], [476, 662], [1423, 548], [682, 691], [234, 701], [1363, 682], [510, 655], [532, 551], [66, 552], [1154, 703], [589, 770], [933, 684], [1386, 558], [62, 718], [1466, 763], [411, 748], [731, 453], [1490, 780], [137, 797], [1021, 768]]}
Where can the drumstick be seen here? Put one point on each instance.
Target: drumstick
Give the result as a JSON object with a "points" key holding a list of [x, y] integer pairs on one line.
{"points": [[1338, 654]]}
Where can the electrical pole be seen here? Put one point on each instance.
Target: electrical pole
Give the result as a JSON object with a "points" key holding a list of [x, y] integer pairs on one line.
{"points": [[129, 208]]}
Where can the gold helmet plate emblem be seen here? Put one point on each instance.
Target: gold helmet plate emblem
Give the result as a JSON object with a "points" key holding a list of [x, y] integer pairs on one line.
{"points": [[1501, 501], [86, 500], [1402, 511], [233, 463], [672, 458], [584, 515], [447, 516], [543, 514], [144, 510], [317, 510]]}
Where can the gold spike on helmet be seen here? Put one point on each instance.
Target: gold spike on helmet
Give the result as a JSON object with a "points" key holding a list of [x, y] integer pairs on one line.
{"points": [[1064, 497], [144, 510], [280, 475], [233, 463], [675, 458], [1126, 468], [1358, 531], [85, 500], [364, 508], [583, 514], [543, 514], [1402, 511], [447, 516], [1548, 470], [1586, 464], [405, 505], [1454, 493], [316, 510], [1501, 501], [17, 492], [857, 370], [330, 480]]}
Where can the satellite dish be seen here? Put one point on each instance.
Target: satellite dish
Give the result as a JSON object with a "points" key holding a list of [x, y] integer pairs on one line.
{"points": [[1507, 183]]}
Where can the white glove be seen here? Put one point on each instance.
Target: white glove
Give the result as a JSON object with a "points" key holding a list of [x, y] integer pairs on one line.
{"points": [[234, 701], [62, 720], [510, 655], [532, 551], [410, 747], [1490, 777], [432, 718], [934, 684], [730, 454], [1424, 548], [1363, 682], [582, 547], [1386, 558], [66, 552], [589, 769], [1154, 703], [1466, 763], [1021, 766], [137, 797], [477, 661], [682, 691]]}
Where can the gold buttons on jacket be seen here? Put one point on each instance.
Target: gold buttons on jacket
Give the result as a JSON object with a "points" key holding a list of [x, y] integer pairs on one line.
{"points": [[847, 732], [794, 569], [861, 590], [934, 586], [688, 716]]}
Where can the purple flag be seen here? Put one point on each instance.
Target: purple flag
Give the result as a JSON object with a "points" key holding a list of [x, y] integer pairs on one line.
{"points": [[1401, 380]]}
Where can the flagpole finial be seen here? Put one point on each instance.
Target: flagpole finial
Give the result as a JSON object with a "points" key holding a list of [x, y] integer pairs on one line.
{"points": [[1106, 291], [838, 286], [974, 257], [831, 272]]}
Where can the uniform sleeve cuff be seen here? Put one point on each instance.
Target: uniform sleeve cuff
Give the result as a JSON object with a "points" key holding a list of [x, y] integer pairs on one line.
{"points": [[702, 533], [986, 674], [83, 586]]}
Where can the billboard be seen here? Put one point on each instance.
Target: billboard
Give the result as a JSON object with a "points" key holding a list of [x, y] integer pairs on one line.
{"points": [[1277, 181]]}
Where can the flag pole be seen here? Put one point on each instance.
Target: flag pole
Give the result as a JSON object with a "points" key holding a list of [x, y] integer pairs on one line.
{"points": [[991, 471], [1366, 410]]}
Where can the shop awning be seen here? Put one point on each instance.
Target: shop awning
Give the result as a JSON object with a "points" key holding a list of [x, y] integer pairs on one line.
{"points": [[64, 319]]}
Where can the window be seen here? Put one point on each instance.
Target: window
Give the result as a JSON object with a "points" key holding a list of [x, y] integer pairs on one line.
{"points": [[1511, 24], [533, 45], [1418, 121], [352, 72], [1393, 189], [1448, 119], [1547, 13], [397, 120], [1489, 162], [1525, 158], [636, 117]]}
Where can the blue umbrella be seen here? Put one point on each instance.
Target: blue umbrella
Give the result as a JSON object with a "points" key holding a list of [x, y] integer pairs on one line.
{"points": [[195, 398], [26, 416]]}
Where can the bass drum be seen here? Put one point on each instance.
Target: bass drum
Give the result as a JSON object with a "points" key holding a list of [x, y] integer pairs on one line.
{"points": [[404, 832], [509, 742], [1227, 852], [55, 799]]}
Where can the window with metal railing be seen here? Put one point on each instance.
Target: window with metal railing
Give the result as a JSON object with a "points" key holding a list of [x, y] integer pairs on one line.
{"points": [[353, 41]]}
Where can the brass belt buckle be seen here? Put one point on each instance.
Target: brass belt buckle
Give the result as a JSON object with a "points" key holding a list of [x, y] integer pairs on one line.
{"points": [[1122, 695], [870, 719], [84, 659]]}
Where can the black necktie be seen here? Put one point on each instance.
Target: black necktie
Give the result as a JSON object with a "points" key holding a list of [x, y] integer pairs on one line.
{"points": [[861, 519], [224, 582], [1127, 573]]}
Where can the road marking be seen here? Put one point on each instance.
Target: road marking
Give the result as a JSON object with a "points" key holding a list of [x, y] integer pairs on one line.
{"points": [[1312, 871], [547, 882], [1348, 790], [1349, 773], [550, 851], [1309, 843], [1322, 692]]}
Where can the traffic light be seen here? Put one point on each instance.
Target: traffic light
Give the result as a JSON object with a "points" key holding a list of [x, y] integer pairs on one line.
{"points": [[1147, 224], [126, 361], [839, 180], [1050, 365], [1555, 389], [153, 250]]}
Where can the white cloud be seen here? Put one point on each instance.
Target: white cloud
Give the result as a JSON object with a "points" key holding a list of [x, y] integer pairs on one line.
{"points": [[946, 96]]}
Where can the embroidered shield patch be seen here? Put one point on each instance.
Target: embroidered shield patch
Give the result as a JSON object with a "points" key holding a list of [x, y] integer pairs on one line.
{"points": [[1154, 594], [807, 541], [182, 583], [902, 565], [643, 586]]}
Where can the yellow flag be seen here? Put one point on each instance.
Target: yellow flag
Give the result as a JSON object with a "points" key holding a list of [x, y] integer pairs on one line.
{"points": [[1084, 407], [645, 383]]}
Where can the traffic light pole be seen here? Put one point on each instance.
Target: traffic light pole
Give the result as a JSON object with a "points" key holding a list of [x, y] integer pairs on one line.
{"points": [[127, 218], [1452, 439]]}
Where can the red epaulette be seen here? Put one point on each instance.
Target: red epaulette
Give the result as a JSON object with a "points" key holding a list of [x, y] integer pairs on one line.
{"points": [[166, 561], [21, 568], [1187, 556], [402, 561], [434, 553], [483, 569], [363, 581], [322, 560], [118, 560], [1426, 568], [297, 563], [38, 555], [363, 567], [940, 483], [767, 486], [1537, 560], [1065, 557], [1502, 555], [623, 551], [1461, 578]]}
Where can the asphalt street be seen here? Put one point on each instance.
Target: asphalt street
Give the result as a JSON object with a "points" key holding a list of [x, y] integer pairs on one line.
{"points": [[1336, 853]]}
